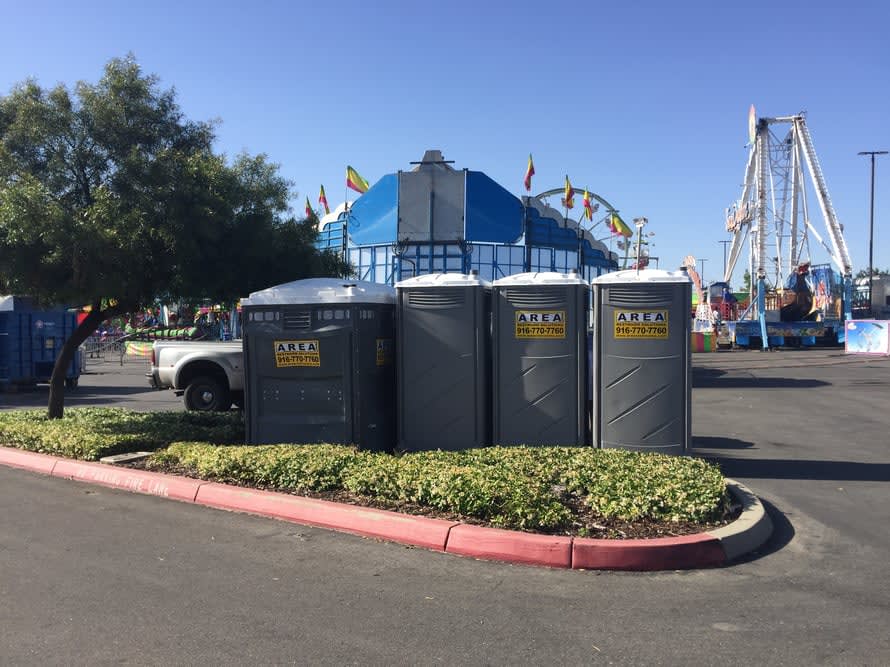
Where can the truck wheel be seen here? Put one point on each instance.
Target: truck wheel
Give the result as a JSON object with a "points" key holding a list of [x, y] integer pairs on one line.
{"points": [[206, 394]]}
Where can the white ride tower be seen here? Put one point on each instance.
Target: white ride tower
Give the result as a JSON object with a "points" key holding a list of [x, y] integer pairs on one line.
{"points": [[774, 204]]}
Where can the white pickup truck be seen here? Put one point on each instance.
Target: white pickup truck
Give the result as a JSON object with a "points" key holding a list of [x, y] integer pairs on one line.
{"points": [[209, 375]]}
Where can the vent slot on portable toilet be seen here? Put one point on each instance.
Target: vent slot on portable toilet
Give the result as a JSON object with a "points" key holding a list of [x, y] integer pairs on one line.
{"points": [[297, 320], [536, 297], [442, 297], [633, 296]]}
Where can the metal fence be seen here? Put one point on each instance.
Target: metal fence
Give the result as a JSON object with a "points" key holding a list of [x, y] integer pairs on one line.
{"points": [[97, 349]]}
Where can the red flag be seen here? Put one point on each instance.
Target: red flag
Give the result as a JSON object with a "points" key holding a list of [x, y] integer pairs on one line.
{"points": [[588, 211], [529, 172], [569, 199], [323, 201], [355, 181]]}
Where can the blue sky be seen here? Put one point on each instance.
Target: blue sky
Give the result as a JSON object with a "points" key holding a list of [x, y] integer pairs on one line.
{"points": [[645, 103]]}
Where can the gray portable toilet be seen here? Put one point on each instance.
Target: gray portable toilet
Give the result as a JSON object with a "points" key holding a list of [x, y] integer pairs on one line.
{"points": [[539, 334], [443, 370], [318, 363], [641, 370]]}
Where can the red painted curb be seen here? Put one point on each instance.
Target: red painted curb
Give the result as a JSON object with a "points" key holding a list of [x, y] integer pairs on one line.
{"points": [[150, 483], [17, 458], [508, 545], [669, 553], [405, 528], [662, 553]]}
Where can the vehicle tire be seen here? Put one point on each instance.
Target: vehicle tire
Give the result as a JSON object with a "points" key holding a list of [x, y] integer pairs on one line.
{"points": [[206, 394], [71, 383]]}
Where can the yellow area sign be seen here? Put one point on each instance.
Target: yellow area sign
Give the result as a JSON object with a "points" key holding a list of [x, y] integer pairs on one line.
{"points": [[540, 324], [289, 353], [384, 351], [641, 324]]}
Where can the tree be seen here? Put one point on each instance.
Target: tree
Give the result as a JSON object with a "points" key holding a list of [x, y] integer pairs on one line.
{"points": [[110, 197], [875, 272], [253, 247], [746, 281]]}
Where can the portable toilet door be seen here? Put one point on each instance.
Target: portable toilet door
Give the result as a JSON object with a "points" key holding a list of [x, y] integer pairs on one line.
{"points": [[641, 373], [539, 323], [443, 329]]}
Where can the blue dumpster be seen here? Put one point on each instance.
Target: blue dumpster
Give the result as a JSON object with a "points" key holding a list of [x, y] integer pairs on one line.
{"points": [[30, 343]]}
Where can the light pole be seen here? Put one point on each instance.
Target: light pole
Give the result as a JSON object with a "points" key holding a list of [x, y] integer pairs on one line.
{"points": [[871, 225], [640, 223]]}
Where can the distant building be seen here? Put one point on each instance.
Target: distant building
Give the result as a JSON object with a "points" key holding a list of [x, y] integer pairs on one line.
{"points": [[435, 218]]}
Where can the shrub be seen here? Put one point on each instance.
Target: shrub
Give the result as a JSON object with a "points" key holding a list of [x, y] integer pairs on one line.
{"points": [[91, 433], [527, 488]]}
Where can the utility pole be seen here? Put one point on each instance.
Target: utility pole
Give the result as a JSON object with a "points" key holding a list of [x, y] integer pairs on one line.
{"points": [[724, 243], [871, 226], [701, 272]]}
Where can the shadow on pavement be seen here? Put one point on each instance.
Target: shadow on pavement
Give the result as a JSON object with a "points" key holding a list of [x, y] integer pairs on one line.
{"points": [[716, 442], [849, 471], [709, 381], [38, 397], [783, 533]]}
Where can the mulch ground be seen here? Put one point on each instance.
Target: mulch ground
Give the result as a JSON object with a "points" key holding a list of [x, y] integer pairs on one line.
{"points": [[585, 524]]}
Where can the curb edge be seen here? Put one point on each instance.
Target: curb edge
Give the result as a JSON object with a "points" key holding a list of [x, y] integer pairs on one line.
{"points": [[750, 531], [708, 549]]}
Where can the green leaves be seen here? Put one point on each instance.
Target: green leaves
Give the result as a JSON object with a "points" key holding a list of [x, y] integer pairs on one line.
{"points": [[91, 433], [524, 488], [517, 487], [109, 193]]}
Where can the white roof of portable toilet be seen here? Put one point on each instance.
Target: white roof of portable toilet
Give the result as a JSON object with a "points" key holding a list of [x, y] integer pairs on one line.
{"points": [[541, 278], [322, 290], [444, 280], [643, 276]]}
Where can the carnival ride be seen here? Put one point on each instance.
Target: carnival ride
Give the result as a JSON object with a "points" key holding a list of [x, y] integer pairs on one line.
{"points": [[792, 300]]}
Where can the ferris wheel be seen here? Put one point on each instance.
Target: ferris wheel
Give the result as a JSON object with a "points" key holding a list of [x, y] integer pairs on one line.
{"points": [[773, 214]]}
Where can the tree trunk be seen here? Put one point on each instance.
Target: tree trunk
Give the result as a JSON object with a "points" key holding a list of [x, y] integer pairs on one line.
{"points": [[56, 406]]}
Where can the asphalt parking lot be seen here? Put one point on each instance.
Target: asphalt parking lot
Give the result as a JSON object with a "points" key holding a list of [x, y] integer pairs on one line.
{"points": [[109, 381], [806, 430]]}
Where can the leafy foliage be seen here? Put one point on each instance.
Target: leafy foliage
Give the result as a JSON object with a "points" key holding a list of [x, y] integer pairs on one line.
{"points": [[863, 273], [513, 487], [527, 488], [110, 197], [91, 433]]}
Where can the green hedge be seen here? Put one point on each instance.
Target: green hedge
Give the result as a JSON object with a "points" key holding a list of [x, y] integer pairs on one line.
{"points": [[91, 433], [529, 488]]}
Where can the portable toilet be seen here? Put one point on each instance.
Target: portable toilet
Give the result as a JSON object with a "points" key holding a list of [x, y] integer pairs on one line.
{"points": [[539, 336], [443, 369], [318, 363], [641, 370]]}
